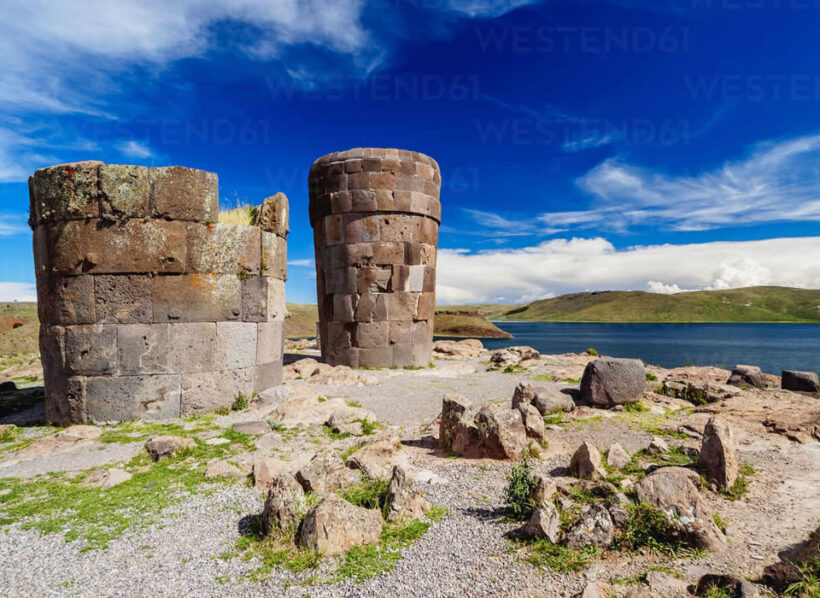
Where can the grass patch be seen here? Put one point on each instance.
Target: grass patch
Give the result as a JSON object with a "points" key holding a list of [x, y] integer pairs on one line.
{"points": [[808, 585], [543, 554], [650, 377], [737, 490], [61, 503], [8, 433], [350, 450], [437, 513], [647, 528], [543, 378], [715, 591], [368, 426], [328, 430], [572, 380], [592, 352], [137, 431], [512, 369], [370, 494], [520, 482], [240, 402], [554, 418], [636, 407], [351, 403], [16, 402], [276, 550], [720, 522]]}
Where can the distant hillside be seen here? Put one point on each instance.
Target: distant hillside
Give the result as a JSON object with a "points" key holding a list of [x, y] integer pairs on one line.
{"points": [[752, 304], [467, 324], [302, 320], [19, 328]]}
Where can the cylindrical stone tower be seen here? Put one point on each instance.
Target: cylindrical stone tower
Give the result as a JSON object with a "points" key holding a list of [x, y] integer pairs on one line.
{"points": [[375, 215], [148, 309]]}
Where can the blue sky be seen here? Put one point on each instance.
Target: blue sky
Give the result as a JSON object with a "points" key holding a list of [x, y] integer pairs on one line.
{"points": [[660, 146]]}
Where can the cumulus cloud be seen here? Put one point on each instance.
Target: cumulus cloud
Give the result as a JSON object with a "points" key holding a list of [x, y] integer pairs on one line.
{"points": [[777, 182], [13, 224], [18, 291], [561, 266]]}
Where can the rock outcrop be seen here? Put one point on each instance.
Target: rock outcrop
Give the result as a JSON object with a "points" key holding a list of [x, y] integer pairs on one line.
{"points": [[747, 375], [326, 472], [674, 492], [376, 459], [334, 526], [617, 457], [459, 349], [609, 382], [593, 528], [586, 463], [403, 502]]}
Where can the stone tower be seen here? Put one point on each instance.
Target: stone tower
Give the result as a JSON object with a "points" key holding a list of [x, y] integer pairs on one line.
{"points": [[375, 215], [148, 307]]}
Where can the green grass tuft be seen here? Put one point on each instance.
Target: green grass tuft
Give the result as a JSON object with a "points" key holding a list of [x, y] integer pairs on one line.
{"points": [[370, 494], [240, 402]]}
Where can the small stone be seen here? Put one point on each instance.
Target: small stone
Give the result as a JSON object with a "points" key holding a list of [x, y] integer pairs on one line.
{"points": [[594, 590], [161, 447], [545, 522], [284, 503], [269, 441], [523, 394], [658, 445], [113, 477], [586, 463], [352, 428], [223, 469], [617, 457], [619, 509], [549, 400], [666, 585], [732, 585]]}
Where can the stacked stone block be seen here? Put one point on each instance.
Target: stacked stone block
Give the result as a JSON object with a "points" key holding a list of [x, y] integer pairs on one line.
{"points": [[148, 307], [375, 215]]}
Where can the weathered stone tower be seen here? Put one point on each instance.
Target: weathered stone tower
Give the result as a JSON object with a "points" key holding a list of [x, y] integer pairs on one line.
{"points": [[149, 309], [375, 215]]}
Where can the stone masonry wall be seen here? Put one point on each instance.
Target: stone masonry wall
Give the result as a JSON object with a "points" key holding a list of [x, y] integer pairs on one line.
{"points": [[375, 215], [149, 309]]}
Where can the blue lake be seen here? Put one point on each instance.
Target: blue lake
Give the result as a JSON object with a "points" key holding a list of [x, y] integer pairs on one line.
{"points": [[773, 347]]}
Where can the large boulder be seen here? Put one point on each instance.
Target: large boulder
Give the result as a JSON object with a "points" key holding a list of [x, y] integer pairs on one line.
{"points": [[545, 522], [674, 492], [747, 375], [485, 433], [376, 459], [334, 526], [799, 381], [326, 472], [586, 463], [718, 456], [608, 382], [283, 505], [403, 502], [593, 528]]}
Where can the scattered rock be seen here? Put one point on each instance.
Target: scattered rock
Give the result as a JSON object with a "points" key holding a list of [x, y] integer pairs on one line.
{"points": [[503, 358], [543, 490], [309, 410], [353, 428], [321, 373], [403, 502], [799, 381], [533, 422], [266, 470], [586, 463], [269, 441], [376, 459], [617, 457], [107, 478], [747, 375], [223, 469], [549, 400], [488, 433], [666, 585], [718, 456], [8, 386], [523, 394], [593, 528], [545, 522], [658, 446], [284, 503], [462, 349], [68, 439], [608, 381], [786, 572], [253, 427], [619, 509], [674, 492], [733, 586], [326, 472], [162, 447], [594, 590], [334, 526]]}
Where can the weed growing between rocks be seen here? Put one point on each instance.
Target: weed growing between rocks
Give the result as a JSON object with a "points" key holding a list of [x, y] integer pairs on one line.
{"points": [[369, 493], [8, 433], [543, 378], [554, 418], [240, 402], [636, 407], [520, 482], [808, 586], [543, 554]]}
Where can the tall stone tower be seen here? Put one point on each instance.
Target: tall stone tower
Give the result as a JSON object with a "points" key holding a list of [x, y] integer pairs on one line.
{"points": [[375, 215], [148, 308]]}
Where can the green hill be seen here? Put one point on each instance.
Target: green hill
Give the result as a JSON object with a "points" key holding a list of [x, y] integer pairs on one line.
{"points": [[752, 304]]}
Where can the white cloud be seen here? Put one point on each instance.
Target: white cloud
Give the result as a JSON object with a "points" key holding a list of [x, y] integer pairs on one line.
{"points": [[656, 286], [301, 263], [18, 291], [568, 265], [777, 181], [135, 149], [485, 8], [13, 224]]}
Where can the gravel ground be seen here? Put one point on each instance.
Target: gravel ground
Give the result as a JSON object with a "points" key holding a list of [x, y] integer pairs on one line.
{"points": [[464, 554]]}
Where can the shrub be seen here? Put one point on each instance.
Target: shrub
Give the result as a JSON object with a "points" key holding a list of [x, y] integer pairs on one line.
{"points": [[592, 352], [517, 495], [650, 377], [240, 402], [647, 527]]}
